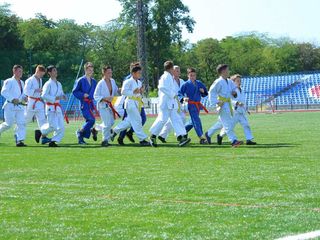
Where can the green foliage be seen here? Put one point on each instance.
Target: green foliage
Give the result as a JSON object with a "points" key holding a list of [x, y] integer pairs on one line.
{"points": [[254, 54], [115, 45], [209, 54], [165, 21], [64, 43], [153, 93], [11, 45]]}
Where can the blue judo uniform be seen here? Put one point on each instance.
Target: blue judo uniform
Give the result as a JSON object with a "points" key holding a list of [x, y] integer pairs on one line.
{"points": [[192, 91], [81, 87]]}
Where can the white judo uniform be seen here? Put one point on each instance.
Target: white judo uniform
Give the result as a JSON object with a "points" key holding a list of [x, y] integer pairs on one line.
{"points": [[107, 115], [167, 128], [169, 104], [132, 105], [14, 114], [240, 115], [221, 91], [51, 90], [35, 105]]}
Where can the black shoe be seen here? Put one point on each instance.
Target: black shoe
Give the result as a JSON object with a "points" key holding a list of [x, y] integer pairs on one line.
{"points": [[129, 135], [94, 134], [208, 138], [120, 141], [184, 140], [236, 143], [37, 135], [53, 144], [249, 142], [219, 139], [21, 144], [153, 141], [203, 141], [105, 144], [113, 135], [162, 139], [145, 143]]}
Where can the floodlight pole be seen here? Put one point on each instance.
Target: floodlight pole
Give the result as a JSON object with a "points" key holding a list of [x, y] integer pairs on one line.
{"points": [[141, 19]]}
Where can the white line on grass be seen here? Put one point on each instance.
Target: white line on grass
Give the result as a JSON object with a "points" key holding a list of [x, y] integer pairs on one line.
{"points": [[304, 236]]}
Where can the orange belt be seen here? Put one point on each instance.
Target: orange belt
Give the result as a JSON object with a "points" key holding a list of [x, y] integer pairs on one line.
{"points": [[55, 108], [90, 103], [35, 102], [198, 105], [114, 111]]}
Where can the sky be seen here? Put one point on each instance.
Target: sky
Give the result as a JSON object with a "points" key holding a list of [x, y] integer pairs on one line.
{"points": [[297, 19]]}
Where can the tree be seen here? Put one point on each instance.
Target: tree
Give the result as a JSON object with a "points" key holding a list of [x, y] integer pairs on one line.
{"points": [[115, 45], [287, 55], [244, 53], [308, 57], [11, 45], [269, 63], [63, 43], [209, 55], [165, 22]]}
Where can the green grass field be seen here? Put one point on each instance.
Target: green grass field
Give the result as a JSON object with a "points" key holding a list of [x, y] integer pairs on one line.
{"points": [[198, 192]]}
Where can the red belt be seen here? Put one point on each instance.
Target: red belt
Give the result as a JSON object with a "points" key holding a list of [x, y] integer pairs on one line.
{"points": [[90, 102], [198, 105], [35, 102], [55, 108], [55, 105], [115, 113]]}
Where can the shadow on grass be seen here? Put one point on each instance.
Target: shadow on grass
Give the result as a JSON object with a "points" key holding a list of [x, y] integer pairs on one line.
{"points": [[272, 145], [75, 145], [259, 145], [167, 145], [225, 145]]}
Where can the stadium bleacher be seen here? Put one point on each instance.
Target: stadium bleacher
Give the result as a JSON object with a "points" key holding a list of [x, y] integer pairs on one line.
{"points": [[285, 90]]}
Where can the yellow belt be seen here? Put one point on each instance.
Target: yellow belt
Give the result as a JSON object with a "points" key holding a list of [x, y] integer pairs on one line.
{"points": [[139, 100], [226, 100]]}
